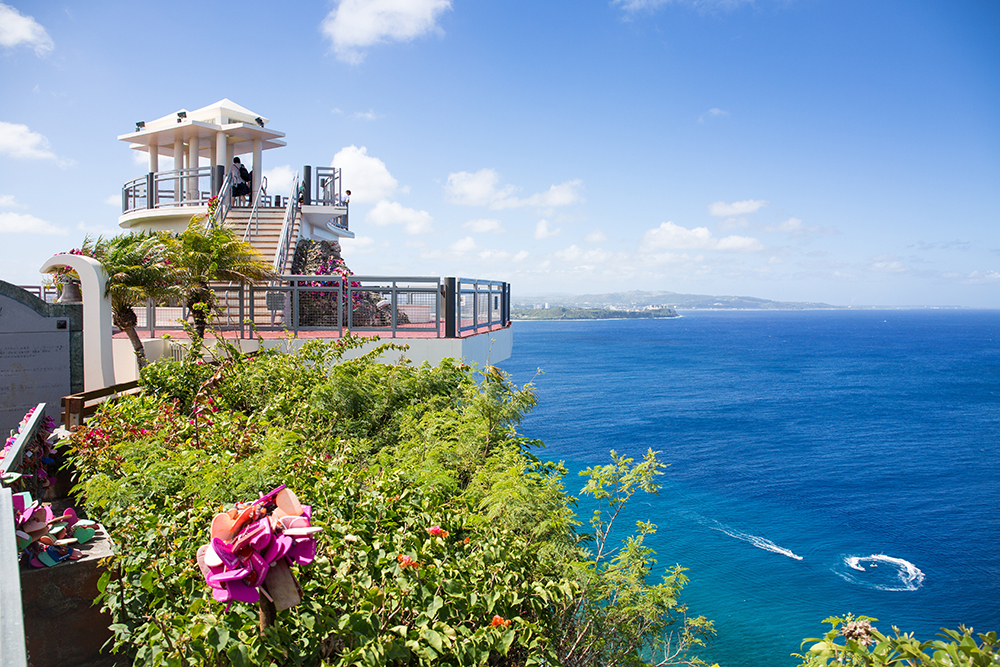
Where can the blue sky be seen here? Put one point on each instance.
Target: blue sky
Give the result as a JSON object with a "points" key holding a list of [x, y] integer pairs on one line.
{"points": [[809, 150]]}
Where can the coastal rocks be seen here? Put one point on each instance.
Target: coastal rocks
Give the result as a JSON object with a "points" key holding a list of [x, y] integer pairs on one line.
{"points": [[327, 305]]}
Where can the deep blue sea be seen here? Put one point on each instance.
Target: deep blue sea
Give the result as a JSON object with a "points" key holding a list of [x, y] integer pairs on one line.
{"points": [[822, 462]]}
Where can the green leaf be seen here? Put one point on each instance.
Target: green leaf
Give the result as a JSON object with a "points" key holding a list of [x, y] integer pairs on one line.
{"points": [[508, 639], [218, 637], [238, 655], [433, 638]]}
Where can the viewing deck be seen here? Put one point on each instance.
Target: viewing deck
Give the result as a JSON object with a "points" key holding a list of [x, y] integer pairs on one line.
{"points": [[322, 306]]}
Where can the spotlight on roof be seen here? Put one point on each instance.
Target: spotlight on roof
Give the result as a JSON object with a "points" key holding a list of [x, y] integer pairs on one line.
{"points": [[259, 121], [181, 115], [140, 125]]}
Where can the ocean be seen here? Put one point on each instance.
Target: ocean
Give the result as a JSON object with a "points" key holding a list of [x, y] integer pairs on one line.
{"points": [[821, 462]]}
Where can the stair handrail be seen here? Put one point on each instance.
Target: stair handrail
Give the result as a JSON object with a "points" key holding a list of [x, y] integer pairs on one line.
{"points": [[255, 211], [285, 240], [225, 200]]}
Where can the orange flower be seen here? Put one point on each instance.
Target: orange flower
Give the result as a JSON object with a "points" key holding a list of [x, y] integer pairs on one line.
{"points": [[405, 562], [437, 531], [499, 622]]}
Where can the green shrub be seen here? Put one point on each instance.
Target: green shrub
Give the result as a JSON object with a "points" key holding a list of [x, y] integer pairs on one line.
{"points": [[446, 540]]}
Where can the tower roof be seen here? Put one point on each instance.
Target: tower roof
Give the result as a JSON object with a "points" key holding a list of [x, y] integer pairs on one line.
{"points": [[240, 125]]}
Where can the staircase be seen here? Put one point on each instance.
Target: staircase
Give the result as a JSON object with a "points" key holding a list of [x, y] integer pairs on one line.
{"points": [[264, 235]]}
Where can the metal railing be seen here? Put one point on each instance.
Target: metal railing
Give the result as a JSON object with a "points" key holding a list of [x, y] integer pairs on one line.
{"points": [[287, 227], [418, 307], [225, 200], [254, 220], [12, 458], [47, 293], [481, 303], [321, 186], [12, 646], [180, 187]]}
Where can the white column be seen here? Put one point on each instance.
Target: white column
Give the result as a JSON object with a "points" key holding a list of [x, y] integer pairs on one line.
{"points": [[222, 153], [98, 359], [178, 164], [154, 158], [257, 148], [193, 147]]}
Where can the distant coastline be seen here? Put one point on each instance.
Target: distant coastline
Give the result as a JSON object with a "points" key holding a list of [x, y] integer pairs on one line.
{"points": [[562, 313], [620, 305]]}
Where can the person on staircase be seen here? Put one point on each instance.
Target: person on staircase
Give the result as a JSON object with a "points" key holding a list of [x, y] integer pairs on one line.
{"points": [[240, 178]]}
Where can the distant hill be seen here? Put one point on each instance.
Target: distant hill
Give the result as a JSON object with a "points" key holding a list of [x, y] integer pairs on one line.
{"points": [[638, 300], [561, 313]]}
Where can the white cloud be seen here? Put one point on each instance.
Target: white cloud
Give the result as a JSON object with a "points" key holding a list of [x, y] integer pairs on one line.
{"points": [[463, 246], [575, 254], [484, 225], [563, 194], [478, 189], [721, 209], [8, 201], [361, 245], [634, 6], [18, 141], [113, 200], [365, 176], [16, 223], [394, 213], [358, 24], [16, 29], [482, 188], [596, 236], [365, 115], [494, 255], [542, 230], [794, 227], [279, 180], [887, 264], [669, 236], [100, 229], [983, 277], [521, 256], [739, 244], [714, 112]]}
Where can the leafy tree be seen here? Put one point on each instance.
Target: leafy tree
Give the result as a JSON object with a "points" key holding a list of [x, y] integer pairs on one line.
{"points": [[208, 253], [139, 266], [618, 618]]}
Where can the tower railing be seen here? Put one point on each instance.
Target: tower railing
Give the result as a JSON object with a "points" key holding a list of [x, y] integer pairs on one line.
{"points": [[161, 189]]}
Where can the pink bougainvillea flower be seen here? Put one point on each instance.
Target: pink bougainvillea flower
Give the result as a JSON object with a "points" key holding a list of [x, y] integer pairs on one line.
{"points": [[437, 531]]}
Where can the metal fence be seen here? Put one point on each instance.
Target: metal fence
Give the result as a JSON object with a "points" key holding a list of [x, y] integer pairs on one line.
{"points": [[421, 307]]}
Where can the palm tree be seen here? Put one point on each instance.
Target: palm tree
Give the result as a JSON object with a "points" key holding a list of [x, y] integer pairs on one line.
{"points": [[139, 267], [208, 253]]}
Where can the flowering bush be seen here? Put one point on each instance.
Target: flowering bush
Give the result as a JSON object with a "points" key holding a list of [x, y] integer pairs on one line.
{"points": [[387, 457]]}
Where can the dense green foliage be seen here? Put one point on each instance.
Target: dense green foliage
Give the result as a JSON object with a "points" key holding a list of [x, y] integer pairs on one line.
{"points": [[208, 253], [383, 454], [855, 642]]}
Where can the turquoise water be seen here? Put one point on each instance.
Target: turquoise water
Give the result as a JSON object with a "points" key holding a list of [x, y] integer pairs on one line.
{"points": [[822, 462]]}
